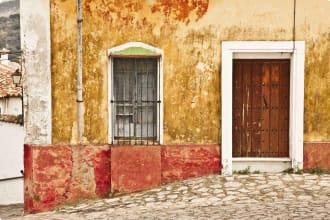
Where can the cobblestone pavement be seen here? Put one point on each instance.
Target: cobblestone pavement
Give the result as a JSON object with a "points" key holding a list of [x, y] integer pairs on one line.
{"points": [[254, 196]]}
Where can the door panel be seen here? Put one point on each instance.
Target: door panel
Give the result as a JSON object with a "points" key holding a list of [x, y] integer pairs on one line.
{"points": [[261, 108]]}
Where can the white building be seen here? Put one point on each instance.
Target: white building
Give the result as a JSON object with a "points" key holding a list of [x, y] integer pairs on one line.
{"points": [[11, 133], [10, 94]]}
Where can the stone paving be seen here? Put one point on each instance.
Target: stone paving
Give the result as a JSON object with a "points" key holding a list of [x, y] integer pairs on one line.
{"points": [[253, 196]]}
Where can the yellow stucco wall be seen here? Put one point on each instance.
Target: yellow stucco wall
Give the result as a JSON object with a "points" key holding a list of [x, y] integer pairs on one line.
{"points": [[190, 34]]}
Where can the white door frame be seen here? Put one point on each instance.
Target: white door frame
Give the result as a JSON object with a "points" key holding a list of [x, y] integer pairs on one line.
{"points": [[266, 50]]}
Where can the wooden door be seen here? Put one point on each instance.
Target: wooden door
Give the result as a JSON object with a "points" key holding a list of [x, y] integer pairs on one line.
{"points": [[261, 100]]}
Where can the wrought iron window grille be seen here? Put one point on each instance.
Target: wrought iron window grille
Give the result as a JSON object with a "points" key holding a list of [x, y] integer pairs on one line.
{"points": [[135, 101]]}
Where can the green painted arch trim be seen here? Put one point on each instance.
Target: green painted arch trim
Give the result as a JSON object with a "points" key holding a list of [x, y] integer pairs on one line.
{"points": [[135, 51]]}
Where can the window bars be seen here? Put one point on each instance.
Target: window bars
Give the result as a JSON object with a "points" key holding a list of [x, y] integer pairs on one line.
{"points": [[135, 101]]}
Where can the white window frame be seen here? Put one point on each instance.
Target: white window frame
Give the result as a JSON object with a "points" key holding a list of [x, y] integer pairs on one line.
{"points": [[160, 108], [295, 51]]}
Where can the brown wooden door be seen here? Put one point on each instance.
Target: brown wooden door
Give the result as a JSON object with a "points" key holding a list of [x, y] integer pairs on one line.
{"points": [[261, 100]]}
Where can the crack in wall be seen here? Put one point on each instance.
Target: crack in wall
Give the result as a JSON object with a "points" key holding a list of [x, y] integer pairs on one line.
{"points": [[68, 186]]}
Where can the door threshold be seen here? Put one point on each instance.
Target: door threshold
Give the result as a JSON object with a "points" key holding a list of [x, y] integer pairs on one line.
{"points": [[261, 159], [269, 165]]}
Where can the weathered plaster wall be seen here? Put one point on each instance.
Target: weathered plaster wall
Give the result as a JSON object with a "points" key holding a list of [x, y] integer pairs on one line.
{"points": [[186, 161], [316, 155], [64, 174], [190, 33], [35, 43], [135, 168], [317, 88], [64, 71]]}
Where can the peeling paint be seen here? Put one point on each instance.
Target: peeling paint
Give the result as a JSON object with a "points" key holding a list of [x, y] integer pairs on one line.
{"points": [[35, 40], [316, 155], [183, 162], [181, 10], [135, 168], [317, 89], [56, 175], [190, 33], [64, 70]]}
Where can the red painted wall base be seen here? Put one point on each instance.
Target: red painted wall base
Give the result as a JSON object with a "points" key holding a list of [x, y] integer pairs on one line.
{"points": [[317, 155], [135, 168], [181, 162], [57, 175]]}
